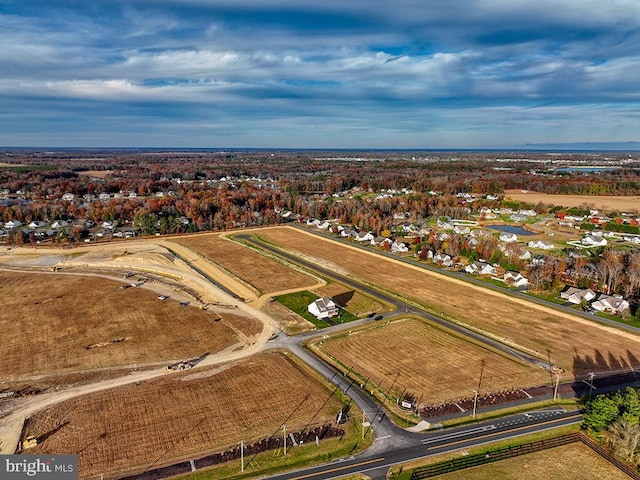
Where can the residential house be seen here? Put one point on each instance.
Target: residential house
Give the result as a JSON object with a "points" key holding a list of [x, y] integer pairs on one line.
{"points": [[364, 237], [399, 247], [60, 224], [12, 224], [323, 308], [541, 244], [515, 279], [480, 268], [594, 240], [68, 197], [518, 217], [525, 255], [462, 230], [610, 303], [443, 259], [578, 295], [508, 237], [36, 224]]}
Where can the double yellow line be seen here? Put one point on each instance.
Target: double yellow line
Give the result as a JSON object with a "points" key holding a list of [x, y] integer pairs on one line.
{"points": [[337, 469]]}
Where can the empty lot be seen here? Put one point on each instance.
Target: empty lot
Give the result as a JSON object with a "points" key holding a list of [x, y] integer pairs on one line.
{"points": [[185, 415], [49, 319], [428, 362]]}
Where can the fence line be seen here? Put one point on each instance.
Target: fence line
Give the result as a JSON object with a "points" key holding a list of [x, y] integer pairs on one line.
{"points": [[492, 456], [607, 455]]}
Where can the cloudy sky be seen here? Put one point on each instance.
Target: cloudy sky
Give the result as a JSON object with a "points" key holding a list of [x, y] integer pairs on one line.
{"points": [[321, 74]]}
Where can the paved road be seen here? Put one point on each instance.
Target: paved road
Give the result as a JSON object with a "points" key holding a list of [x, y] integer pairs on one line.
{"points": [[376, 463]]}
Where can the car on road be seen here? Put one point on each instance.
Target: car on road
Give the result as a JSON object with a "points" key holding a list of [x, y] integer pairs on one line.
{"points": [[162, 297], [379, 317]]}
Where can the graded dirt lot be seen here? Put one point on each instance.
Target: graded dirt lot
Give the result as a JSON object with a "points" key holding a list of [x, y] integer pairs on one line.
{"points": [[49, 318], [570, 462], [577, 345], [262, 273], [185, 415], [433, 364], [599, 202]]}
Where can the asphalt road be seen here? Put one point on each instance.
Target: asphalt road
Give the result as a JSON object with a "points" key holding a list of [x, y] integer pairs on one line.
{"points": [[376, 463]]}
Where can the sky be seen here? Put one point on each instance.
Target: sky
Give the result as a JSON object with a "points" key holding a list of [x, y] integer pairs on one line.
{"points": [[318, 74]]}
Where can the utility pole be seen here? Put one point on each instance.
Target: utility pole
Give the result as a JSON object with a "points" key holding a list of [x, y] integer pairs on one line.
{"points": [[242, 455], [284, 438], [555, 388], [477, 390]]}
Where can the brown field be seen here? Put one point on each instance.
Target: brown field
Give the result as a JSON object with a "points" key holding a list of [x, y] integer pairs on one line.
{"points": [[262, 273], [430, 361], [95, 173], [48, 319], [578, 345], [600, 202], [350, 300], [184, 415], [569, 462]]}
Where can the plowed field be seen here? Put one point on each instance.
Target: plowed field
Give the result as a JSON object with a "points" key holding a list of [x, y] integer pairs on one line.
{"points": [[262, 273], [184, 415], [431, 363], [49, 319]]}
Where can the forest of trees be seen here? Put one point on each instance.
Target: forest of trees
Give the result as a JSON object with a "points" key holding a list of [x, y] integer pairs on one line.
{"points": [[176, 192], [615, 418]]}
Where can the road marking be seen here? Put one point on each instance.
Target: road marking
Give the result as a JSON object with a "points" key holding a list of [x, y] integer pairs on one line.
{"points": [[382, 438], [505, 431], [459, 434], [337, 469]]}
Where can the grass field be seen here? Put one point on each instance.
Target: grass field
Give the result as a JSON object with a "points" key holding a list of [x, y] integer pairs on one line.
{"points": [[569, 340], [432, 364], [49, 319], [569, 462], [262, 273], [299, 301], [600, 202], [185, 415]]}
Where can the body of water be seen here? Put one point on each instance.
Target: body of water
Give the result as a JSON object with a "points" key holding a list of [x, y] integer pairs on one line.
{"points": [[511, 229]]}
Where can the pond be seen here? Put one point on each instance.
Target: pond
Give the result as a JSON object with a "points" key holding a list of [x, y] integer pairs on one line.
{"points": [[511, 229]]}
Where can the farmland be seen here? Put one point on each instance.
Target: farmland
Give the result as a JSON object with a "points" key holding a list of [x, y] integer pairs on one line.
{"points": [[432, 363], [570, 462], [264, 274], [606, 203], [568, 340], [49, 319], [185, 415]]}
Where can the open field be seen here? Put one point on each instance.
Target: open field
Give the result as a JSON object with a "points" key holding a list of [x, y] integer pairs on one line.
{"points": [[95, 173], [262, 273], [49, 318], [575, 461], [432, 364], [577, 345], [185, 415], [599, 202]]}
